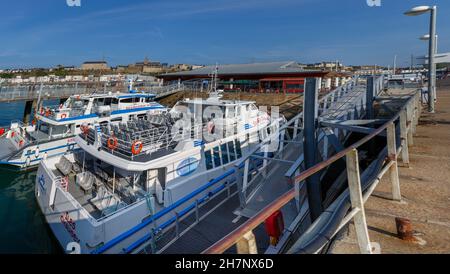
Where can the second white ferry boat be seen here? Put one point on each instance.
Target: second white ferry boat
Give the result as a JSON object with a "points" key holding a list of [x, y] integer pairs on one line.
{"points": [[128, 177], [53, 129]]}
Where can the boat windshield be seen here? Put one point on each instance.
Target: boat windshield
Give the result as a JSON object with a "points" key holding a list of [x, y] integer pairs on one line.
{"points": [[76, 103], [45, 132]]}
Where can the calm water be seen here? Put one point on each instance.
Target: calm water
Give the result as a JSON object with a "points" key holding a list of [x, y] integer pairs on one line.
{"points": [[23, 227]]}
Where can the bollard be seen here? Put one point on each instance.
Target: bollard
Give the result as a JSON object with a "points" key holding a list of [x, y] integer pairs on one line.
{"points": [[404, 229]]}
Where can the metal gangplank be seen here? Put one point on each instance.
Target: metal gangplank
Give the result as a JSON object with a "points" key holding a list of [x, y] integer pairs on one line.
{"points": [[224, 203]]}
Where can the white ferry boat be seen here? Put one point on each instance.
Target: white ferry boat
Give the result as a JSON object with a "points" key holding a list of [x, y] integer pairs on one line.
{"points": [[121, 188], [54, 128]]}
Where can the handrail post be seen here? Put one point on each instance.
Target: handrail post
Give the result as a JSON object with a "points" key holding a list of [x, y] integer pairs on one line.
{"points": [[247, 244], [370, 91], [354, 182], [404, 138], [393, 170], [409, 124]]}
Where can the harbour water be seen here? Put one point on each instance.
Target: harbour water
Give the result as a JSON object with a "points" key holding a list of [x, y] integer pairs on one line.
{"points": [[23, 226]]}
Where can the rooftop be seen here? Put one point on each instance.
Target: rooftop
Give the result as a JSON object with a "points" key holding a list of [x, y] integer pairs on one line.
{"points": [[253, 68]]}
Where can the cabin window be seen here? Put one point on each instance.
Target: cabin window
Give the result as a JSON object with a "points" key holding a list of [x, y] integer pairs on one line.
{"points": [[115, 101], [128, 100], [148, 99], [225, 158], [232, 151], [98, 102], [108, 101], [238, 148], [216, 157], [208, 160]]}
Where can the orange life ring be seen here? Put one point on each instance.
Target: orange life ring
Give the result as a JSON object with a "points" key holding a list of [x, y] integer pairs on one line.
{"points": [[84, 129], [20, 143], [47, 113], [112, 143], [136, 147], [63, 116], [13, 134]]}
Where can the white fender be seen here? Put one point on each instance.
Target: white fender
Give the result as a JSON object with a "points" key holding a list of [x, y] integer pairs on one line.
{"points": [[36, 152]]}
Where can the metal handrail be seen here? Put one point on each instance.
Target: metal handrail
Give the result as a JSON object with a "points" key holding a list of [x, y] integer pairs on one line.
{"points": [[233, 237]]}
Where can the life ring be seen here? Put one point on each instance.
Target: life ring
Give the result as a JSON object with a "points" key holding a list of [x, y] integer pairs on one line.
{"points": [[13, 134], [47, 113], [112, 143], [85, 129], [211, 127], [63, 116], [136, 147], [20, 143]]}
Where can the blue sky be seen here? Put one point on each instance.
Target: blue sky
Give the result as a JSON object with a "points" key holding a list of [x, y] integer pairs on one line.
{"points": [[45, 33]]}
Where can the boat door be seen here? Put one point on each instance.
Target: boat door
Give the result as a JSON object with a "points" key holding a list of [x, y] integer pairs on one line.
{"points": [[156, 183]]}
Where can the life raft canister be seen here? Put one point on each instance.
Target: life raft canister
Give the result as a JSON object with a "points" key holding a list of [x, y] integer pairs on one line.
{"points": [[136, 147]]}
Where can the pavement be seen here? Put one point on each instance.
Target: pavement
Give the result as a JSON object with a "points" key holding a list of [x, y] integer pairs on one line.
{"points": [[425, 187]]}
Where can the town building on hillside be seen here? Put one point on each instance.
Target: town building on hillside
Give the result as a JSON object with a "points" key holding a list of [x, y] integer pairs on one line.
{"points": [[95, 65]]}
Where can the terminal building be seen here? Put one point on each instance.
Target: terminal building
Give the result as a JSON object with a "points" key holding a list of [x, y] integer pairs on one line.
{"points": [[277, 77]]}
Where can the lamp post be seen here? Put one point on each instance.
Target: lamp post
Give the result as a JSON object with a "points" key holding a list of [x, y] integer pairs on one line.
{"points": [[426, 37], [432, 45]]}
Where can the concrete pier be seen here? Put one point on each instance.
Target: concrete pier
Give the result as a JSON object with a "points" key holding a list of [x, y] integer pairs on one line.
{"points": [[425, 188]]}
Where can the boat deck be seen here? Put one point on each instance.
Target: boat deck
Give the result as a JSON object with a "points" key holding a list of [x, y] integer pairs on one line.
{"points": [[7, 148]]}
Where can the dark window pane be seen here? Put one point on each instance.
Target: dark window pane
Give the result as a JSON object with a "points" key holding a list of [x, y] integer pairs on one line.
{"points": [[225, 159], [208, 159], [238, 148], [232, 151], [216, 156]]}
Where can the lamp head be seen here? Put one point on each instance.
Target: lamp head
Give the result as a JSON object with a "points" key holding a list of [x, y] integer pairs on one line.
{"points": [[418, 10]]}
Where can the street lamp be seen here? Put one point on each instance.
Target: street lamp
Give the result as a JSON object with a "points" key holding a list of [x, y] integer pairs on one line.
{"points": [[426, 37], [432, 45]]}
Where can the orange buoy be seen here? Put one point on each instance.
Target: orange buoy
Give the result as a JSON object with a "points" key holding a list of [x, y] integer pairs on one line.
{"points": [[136, 147], [85, 129], [112, 143]]}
